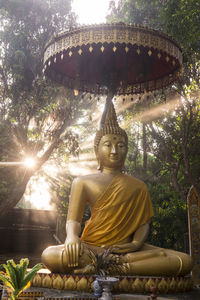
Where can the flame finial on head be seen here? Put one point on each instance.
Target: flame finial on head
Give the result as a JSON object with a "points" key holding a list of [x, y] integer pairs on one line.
{"points": [[109, 124]]}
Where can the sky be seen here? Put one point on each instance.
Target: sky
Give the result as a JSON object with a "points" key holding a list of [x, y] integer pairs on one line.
{"points": [[91, 11]]}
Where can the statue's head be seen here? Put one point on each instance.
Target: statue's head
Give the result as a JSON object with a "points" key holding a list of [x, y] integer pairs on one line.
{"points": [[111, 142]]}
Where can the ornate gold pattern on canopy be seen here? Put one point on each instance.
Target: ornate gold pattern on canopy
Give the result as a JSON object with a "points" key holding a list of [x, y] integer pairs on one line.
{"points": [[132, 58]]}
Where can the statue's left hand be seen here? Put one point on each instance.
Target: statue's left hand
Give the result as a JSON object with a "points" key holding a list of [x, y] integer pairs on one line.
{"points": [[73, 249], [73, 246], [123, 248]]}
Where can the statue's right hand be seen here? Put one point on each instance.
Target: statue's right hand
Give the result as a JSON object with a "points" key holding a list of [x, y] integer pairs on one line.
{"points": [[73, 249]]}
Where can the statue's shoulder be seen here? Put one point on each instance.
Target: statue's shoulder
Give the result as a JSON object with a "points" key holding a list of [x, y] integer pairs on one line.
{"points": [[134, 181], [85, 179]]}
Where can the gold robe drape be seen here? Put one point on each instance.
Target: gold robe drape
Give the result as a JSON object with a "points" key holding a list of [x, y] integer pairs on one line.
{"points": [[118, 212]]}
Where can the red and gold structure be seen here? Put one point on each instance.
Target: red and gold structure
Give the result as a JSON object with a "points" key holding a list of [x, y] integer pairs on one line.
{"points": [[124, 59]]}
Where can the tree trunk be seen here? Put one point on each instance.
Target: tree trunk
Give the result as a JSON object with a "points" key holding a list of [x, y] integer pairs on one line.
{"points": [[15, 195], [144, 145], [19, 190]]}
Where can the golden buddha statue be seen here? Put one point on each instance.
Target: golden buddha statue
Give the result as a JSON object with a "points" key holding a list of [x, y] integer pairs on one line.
{"points": [[121, 210]]}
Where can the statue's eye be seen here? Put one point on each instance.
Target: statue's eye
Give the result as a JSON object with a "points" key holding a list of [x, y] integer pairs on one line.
{"points": [[121, 145], [107, 144]]}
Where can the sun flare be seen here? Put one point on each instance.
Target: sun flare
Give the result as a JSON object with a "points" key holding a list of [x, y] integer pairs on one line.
{"points": [[30, 162]]}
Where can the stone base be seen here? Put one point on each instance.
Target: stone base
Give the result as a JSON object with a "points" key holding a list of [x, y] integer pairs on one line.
{"points": [[27, 294], [126, 284], [52, 294]]}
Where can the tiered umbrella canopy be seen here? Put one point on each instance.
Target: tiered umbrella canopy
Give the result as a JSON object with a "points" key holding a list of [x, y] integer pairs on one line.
{"points": [[118, 58]]}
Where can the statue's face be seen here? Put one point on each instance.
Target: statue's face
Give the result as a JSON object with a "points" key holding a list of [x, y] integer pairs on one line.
{"points": [[112, 151]]}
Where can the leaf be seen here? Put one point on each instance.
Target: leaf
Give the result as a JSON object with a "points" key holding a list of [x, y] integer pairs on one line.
{"points": [[8, 273], [31, 274], [23, 268], [18, 276], [6, 281], [11, 268]]}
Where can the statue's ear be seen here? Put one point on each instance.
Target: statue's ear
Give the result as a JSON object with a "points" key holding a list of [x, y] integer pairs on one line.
{"points": [[96, 152], [97, 156]]}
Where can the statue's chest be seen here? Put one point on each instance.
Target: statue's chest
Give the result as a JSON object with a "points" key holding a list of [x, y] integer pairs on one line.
{"points": [[96, 189]]}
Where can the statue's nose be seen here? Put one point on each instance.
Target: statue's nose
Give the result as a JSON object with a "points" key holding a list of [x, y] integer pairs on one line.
{"points": [[113, 149]]}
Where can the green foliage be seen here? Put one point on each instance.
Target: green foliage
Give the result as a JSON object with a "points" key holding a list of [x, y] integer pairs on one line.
{"points": [[172, 142], [16, 278], [135, 11], [170, 209], [181, 20]]}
